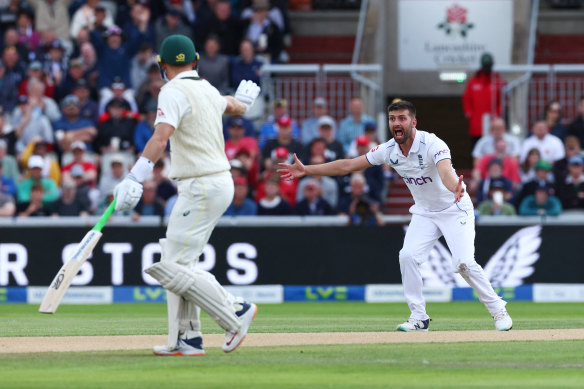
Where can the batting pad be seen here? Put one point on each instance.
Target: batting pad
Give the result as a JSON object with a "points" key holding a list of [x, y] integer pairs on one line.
{"points": [[199, 287]]}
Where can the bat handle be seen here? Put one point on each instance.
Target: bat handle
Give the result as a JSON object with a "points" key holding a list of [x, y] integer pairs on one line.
{"points": [[106, 215]]}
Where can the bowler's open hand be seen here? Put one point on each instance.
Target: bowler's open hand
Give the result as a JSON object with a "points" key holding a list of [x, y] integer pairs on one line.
{"points": [[459, 190], [291, 172]]}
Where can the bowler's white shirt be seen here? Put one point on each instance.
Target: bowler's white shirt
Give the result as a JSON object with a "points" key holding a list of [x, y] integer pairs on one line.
{"points": [[418, 169]]}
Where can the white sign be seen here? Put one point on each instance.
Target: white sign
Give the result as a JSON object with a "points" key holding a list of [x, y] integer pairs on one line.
{"points": [[443, 34], [74, 295], [394, 293]]}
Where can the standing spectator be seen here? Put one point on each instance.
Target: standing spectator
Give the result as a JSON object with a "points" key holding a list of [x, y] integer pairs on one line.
{"points": [[269, 129], [72, 127], [553, 118], [310, 125], [84, 17], [577, 126], [571, 147], [273, 204], [237, 140], [541, 203], [214, 66], [35, 204], [326, 131], [486, 144], [225, 26], [138, 23], [69, 204], [246, 66], [241, 205], [35, 170], [571, 191], [78, 149], [116, 132], [542, 177], [11, 75], [283, 139], [354, 124], [312, 203], [30, 123], [148, 204], [171, 24], [52, 15], [527, 167], [550, 146], [495, 204], [482, 98]]}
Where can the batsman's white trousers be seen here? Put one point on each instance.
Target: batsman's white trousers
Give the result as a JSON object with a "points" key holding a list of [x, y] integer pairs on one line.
{"points": [[457, 225]]}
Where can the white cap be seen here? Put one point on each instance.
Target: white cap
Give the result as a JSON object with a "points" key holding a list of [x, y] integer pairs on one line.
{"points": [[326, 121], [35, 161], [78, 145]]}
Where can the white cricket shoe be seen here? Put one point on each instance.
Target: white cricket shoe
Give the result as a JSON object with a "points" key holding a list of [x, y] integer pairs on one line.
{"points": [[185, 347], [503, 321], [414, 325], [234, 339]]}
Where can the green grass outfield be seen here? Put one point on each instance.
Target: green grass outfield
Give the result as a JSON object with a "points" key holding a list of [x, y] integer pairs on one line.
{"points": [[533, 364]]}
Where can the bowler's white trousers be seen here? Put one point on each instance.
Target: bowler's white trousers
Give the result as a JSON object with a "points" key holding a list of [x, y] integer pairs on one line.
{"points": [[457, 225]]}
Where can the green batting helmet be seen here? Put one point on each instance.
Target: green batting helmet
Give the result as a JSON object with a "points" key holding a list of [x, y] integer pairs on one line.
{"points": [[178, 50]]}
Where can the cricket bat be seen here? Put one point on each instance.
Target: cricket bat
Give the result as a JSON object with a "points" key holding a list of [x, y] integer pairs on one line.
{"points": [[71, 267]]}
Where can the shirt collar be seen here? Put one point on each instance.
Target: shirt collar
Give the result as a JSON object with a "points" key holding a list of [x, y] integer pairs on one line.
{"points": [[416, 145], [187, 73]]}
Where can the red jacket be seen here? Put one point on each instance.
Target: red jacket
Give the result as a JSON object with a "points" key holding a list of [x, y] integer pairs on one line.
{"points": [[482, 95]]}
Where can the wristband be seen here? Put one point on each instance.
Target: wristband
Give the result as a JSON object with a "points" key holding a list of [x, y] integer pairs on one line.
{"points": [[142, 168]]}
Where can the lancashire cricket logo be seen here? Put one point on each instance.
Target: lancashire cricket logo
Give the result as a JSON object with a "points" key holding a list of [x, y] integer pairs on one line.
{"points": [[180, 57], [456, 22]]}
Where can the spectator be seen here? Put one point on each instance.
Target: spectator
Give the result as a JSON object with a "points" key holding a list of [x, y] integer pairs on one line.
{"points": [[116, 132], [69, 204], [145, 128], [149, 204], [11, 39], [78, 149], [140, 23], [577, 126], [486, 144], [250, 166], [35, 169], [246, 66], [329, 189], [553, 118], [262, 27], [269, 129], [84, 193], [164, 187], [571, 147], [55, 61], [72, 127], [571, 191], [52, 15], [354, 124], [170, 24], [326, 131], [7, 133], [550, 146], [213, 66], [373, 175], [237, 140], [117, 90], [6, 159], [89, 57], [88, 108], [7, 207], [541, 203], [496, 204], [482, 98], [509, 164], [242, 205], [542, 176], [39, 102], [150, 95], [369, 136], [35, 204], [51, 168], [7, 185], [35, 70], [30, 123], [227, 27], [273, 204], [284, 139], [28, 36], [11, 75], [85, 17], [357, 187], [248, 127], [75, 73], [141, 62], [110, 178], [310, 125], [527, 167], [495, 174], [316, 150], [312, 203], [9, 11]]}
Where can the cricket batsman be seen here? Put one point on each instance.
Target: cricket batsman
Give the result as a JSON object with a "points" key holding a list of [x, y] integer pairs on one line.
{"points": [[189, 115], [441, 208]]}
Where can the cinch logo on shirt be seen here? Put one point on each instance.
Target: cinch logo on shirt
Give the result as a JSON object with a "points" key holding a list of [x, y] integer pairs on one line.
{"points": [[441, 152], [417, 181]]}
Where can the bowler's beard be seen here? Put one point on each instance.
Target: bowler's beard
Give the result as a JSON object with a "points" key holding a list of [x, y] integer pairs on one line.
{"points": [[407, 133]]}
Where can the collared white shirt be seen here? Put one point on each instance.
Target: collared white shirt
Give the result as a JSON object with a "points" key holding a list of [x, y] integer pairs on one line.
{"points": [[418, 169], [550, 147], [173, 104]]}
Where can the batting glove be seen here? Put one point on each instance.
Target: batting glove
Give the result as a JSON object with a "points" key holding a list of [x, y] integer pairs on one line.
{"points": [[128, 193], [247, 92]]}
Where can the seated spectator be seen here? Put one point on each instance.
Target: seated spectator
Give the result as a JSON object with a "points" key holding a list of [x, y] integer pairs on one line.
{"points": [[75, 73], [117, 90], [495, 174], [316, 150], [265, 29], [272, 203], [553, 118], [246, 66], [72, 128], [39, 102], [55, 61], [283, 139], [571, 147], [7, 207], [8, 162], [353, 125], [7, 185], [571, 191], [214, 66], [30, 123], [12, 73], [7, 133], [78, 149], [363, 211], [237, 140], [35, 204], [116, 132], [248, 126], [84, 193], [269, 129], [170, 24], [496, 204], [164, 187], [509, 164], [241, 205], [51, 168], [35, 171], [369, 136], [69, 204], [541, 203], [150, 96], [326, 130], [52, 15], [250, 165], [329, 189], [288, 188], [542, 177], [527, 167], [223, 24], [357, 188], [35, 70], [576, 128], [109, 179], [486, 144], [88, 108], [310, 125], [145, 128], [550, 146], [312, 204], [84, 17], [148, 204]]}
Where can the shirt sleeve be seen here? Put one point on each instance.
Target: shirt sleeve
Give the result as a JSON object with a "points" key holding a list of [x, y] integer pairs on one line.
{"points": [[378, 155], [172, 106], [438, 150]]}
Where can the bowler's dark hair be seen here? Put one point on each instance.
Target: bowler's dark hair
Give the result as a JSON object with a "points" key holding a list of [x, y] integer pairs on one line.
{"points": [[401, 105]]}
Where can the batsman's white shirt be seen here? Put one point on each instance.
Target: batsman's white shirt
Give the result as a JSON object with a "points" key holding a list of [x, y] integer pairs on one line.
{"points": [[418, 170]]}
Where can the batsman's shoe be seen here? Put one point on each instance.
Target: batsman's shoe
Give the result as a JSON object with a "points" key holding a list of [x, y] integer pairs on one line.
{"points": [[503, 321], [234, 339], [185, 347], [414, 325]]}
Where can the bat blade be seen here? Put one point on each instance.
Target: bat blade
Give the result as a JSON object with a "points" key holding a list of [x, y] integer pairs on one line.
{"points": [[68, 271]]}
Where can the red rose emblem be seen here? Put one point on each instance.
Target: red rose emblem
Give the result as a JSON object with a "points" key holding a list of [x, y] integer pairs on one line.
{"points": [[456, 14]]}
